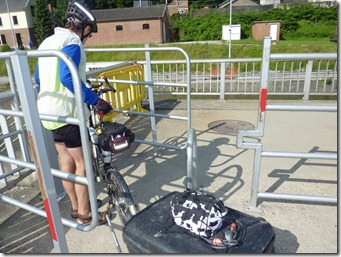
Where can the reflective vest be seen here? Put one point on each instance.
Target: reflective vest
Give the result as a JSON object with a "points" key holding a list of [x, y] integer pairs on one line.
{"points": [[54, 98]]}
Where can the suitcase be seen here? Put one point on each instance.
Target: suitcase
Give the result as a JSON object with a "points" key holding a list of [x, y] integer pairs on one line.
{"points": [[141, 233]]}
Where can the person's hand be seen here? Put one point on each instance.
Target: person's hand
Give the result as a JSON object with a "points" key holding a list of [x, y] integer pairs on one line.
{"points": [[102, 107]]}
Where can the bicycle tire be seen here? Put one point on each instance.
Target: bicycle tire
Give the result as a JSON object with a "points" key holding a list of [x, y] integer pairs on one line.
{"points": [[122, 197]]}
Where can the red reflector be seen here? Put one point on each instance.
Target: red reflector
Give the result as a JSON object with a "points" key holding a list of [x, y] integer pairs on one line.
{"points": [[262, 102]]}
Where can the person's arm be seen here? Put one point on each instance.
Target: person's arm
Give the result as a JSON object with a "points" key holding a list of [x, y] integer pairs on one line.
{"points": [[36, 75], [101, 106], [73, 51]]}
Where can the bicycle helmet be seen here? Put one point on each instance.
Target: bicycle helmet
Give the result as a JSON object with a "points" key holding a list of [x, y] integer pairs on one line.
{"points": [[82, 14]]}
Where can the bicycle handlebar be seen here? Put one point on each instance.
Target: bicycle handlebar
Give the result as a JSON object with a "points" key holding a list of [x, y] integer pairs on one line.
{"points": [[108, 85], [97, 88]]}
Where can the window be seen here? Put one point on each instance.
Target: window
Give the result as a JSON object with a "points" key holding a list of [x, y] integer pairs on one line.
{"points": [[15, 20], [3, 39], [0, 21], [32, 10], [145, 26], [119, 27], [180, 3]]}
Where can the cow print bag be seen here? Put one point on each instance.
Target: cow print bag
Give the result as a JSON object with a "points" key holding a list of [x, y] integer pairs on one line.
{"points": [[198, 212]]}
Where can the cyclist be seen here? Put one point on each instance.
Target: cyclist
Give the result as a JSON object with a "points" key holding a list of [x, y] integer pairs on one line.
{"points": [[56, 97]]}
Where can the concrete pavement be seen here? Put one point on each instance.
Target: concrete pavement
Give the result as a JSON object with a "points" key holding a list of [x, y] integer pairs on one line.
{"points": [[223, 169]]}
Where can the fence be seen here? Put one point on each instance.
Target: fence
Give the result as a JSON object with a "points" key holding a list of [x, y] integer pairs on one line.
{"points": [[259, 132], [289, 75], [28, 122]]}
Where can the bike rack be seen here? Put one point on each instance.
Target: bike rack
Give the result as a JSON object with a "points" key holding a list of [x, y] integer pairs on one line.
{"points": [[259, 132]]}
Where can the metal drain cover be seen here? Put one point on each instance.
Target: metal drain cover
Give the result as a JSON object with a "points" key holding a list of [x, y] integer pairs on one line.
{"points": [[229, 127]]}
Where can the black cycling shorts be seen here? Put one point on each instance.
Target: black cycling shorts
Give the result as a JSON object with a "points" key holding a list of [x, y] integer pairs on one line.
{"points": [[70, 135]]}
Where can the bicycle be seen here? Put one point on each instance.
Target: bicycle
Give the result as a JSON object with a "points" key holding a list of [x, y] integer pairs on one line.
{"points": [[118, 191]]}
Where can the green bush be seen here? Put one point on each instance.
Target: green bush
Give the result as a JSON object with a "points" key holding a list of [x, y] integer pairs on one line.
{"points": [[297, 21], [5, 48]]}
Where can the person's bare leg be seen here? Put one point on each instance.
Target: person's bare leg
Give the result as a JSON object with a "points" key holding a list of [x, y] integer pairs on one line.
{"points": [[68, 164], [81, 190]]}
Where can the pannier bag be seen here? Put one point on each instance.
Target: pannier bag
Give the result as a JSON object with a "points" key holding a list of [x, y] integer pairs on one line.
{"points": [[198, 212], [115, 137]]}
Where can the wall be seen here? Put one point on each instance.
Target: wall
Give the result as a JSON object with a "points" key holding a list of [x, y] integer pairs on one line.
{"points": [[176, 5], [262, 29], [21, 27], [132, 33]]}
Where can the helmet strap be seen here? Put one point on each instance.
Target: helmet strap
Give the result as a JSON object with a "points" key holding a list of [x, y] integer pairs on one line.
{"points": [[86, 35], [83, 28]]}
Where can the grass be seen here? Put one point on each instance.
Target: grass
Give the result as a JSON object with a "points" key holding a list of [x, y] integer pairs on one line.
{"points": [[246, 48]]}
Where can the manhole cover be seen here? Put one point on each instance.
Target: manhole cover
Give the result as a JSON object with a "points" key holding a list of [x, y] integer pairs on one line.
{"points": [[229, 127]]}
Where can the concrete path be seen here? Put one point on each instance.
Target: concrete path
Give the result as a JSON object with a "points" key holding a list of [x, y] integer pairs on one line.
{"points": [[223, 169]]}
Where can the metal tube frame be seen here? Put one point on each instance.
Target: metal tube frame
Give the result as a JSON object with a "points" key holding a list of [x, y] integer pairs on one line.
{"points": [[19, 60], [259, 132], [148, 81], [22, 80]]}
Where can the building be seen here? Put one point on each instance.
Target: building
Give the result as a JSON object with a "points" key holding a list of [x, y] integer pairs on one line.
{"points": [[245, 6], [16, 22], [140, 25], [136, 25], [174, 6], [140, 3], [261, 29], [178, 6]]}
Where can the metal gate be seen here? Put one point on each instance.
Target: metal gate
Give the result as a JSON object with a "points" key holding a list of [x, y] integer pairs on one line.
{"points": [[259, 132]]}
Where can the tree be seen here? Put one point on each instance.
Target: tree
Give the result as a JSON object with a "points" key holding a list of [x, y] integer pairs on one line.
{"points": [[111, 4], [57, 10], [43, 25], [197, 4], [297, 21]]}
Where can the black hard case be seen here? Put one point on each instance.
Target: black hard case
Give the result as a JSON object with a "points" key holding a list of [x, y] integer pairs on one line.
{"points": [[140, 233]]}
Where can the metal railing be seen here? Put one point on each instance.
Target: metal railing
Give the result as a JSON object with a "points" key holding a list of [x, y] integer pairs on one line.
{"points": [[22, 90], [96, 68], [259, 132], [316, 74], [289, 74]]}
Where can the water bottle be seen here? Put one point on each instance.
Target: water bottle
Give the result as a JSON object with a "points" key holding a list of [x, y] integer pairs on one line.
{"points": [[106, 157], [93, 136]]}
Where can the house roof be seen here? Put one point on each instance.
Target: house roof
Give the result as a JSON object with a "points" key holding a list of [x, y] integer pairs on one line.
{"points": [[136, 13], [236, 3], [13, 6]]}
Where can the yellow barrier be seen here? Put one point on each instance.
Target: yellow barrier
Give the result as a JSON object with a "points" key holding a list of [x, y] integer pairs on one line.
{"points": [[127, 96]]}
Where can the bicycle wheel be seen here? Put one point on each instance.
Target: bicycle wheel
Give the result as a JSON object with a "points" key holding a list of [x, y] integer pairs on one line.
{"points": [[122, 197]]}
